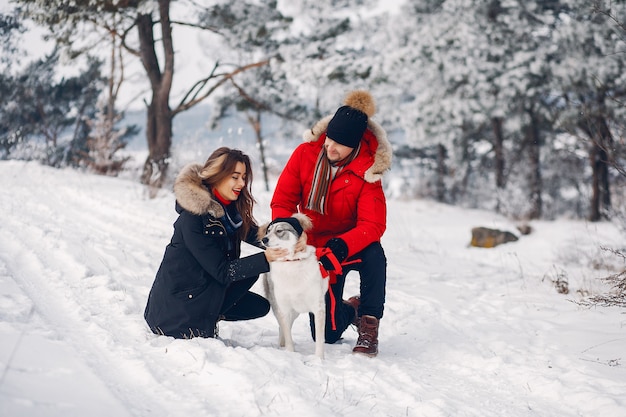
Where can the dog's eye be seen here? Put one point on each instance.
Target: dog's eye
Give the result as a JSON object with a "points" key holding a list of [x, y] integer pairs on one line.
{"points": [[281, 231]]}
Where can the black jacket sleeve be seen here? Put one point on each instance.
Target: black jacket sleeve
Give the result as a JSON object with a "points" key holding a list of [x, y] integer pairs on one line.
{"points": [[211, 256]]}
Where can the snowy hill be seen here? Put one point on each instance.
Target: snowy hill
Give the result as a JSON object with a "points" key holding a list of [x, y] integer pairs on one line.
{"points": [[466, 332]]}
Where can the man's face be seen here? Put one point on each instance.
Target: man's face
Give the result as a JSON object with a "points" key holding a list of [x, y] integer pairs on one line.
{"points": [[336, 152]]}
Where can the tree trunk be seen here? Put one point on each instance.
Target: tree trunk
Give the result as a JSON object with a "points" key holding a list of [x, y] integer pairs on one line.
{"points": [[601, 193], [498, 147], [601, 139], [535, 182], [441, 172], [459, 191], [159, 137], [159, 114], [255, 122]]}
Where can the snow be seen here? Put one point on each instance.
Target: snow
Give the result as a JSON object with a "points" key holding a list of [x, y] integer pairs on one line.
{"points": [[466, 332]]}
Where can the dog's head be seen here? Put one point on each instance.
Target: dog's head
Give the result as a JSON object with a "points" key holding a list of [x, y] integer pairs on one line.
{"points": [[284, 232]]}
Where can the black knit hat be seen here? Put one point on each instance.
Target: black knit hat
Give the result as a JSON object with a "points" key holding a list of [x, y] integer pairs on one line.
{"points": [[347, 126], [291, 220]]}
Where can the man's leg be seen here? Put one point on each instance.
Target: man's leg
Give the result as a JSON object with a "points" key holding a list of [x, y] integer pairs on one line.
{"points": [[343, 314], [373, 271]]}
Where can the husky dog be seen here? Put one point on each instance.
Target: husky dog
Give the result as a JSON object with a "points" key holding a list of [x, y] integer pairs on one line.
{"points": [[294, 284]]}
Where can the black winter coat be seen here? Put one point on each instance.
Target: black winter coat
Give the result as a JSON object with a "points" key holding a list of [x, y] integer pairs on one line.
{"points": [[200, 262]]}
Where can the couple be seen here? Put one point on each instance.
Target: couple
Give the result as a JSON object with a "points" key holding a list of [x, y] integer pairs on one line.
{"points": [[334, 177]]}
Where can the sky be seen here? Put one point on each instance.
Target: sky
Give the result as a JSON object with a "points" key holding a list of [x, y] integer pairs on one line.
{"points": [[466, 331]]}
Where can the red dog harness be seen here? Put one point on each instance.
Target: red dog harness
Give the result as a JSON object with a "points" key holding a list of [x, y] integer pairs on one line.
{"points": [[332, 274]]}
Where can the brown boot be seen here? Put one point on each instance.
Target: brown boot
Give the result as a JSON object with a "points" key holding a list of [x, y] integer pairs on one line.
{"points": [[354, 302], [367, 344]]}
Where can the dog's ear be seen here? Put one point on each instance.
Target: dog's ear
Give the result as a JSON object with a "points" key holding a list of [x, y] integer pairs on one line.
{"points": [[304, 221], [260, 234]]}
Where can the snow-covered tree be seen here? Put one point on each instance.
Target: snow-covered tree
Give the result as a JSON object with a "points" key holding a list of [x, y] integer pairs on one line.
{"points": [[145, 28], [38, 106], [104, 141], [10, 26], [592, 79], [486, 96], [321, 54], [252, 32]]}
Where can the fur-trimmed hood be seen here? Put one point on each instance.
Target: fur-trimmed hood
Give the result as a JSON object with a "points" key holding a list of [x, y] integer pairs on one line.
{"points": [[382, 155], [193, 196]]}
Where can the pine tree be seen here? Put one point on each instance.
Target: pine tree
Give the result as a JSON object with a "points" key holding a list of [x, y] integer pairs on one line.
{"points": [[104, 141], [591, 78], [37, 107]]}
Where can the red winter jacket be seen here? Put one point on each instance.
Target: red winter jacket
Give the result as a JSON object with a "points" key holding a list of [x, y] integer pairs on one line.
{"points": [[356, 206]]}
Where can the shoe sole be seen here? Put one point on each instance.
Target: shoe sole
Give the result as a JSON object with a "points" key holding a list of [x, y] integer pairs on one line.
{"points": [[369, 355]]}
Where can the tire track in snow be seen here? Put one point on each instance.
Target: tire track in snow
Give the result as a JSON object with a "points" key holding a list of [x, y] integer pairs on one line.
{"points": [[81, 226], [69, 296]]}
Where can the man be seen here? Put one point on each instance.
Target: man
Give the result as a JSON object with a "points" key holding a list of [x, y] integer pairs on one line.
{"points": [[334, 177]]}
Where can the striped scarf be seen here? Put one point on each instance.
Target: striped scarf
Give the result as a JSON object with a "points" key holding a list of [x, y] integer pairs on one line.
{"points": [[322, 177]]}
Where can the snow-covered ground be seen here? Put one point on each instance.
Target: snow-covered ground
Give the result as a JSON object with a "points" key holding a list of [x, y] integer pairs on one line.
{"points": [[466, 332]]}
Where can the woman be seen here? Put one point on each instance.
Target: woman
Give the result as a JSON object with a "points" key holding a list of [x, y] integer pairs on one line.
{"points": [[202, 278]]}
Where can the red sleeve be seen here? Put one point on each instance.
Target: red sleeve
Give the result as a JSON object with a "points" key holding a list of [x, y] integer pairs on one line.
{"points": [[371, 220]]}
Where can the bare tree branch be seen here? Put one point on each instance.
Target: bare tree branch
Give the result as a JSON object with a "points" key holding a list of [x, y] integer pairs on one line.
{"points": [[197, 26], [225, 77]]}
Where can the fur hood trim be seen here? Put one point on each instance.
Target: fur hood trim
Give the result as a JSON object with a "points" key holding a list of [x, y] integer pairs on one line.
{"points": [[382, 157], [193, 196]]}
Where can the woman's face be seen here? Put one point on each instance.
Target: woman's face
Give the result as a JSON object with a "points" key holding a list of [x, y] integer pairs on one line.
{"points": [[230, 187]]}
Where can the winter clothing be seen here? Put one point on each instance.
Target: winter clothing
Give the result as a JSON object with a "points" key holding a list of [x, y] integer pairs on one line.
{"points": [[367, 344], [322, 176], [354, 216], [356, 202], [354, 302], [339, 248], [350, 121], [202, 276], [293, 222], [372, 267], [347, 126]]}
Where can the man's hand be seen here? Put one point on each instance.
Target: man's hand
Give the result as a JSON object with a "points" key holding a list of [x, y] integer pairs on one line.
{"points": [[330, 263], [333, 254]]}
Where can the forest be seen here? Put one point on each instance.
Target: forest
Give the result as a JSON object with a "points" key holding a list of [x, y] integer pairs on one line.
{"points": [[515, 106]]}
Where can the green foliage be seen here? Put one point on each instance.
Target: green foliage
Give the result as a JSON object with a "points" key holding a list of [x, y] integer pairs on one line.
{"points": [[36, 108]]}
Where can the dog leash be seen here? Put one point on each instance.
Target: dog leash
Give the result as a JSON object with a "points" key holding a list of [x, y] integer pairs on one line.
{"points": [[337, 270]]}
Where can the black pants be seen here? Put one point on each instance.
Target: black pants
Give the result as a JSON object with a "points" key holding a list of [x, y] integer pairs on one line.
{"points": [[242, 304], [372, 269]]}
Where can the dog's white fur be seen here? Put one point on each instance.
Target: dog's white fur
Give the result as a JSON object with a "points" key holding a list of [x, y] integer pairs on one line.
{"points": [[295, 284]]}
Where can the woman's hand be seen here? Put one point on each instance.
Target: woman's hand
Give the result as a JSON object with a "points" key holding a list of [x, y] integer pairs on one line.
{"points": [[301, 245], [274, 254]]}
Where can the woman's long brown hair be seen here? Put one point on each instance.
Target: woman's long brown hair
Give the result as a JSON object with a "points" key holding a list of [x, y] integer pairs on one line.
{"points": [[220, 165]]}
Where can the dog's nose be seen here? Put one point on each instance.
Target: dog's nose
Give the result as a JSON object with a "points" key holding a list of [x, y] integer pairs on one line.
{"points": [[265, 240]]}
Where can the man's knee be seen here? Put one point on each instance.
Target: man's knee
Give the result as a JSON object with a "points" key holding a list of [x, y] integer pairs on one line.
{"points": [[373, 253]]}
